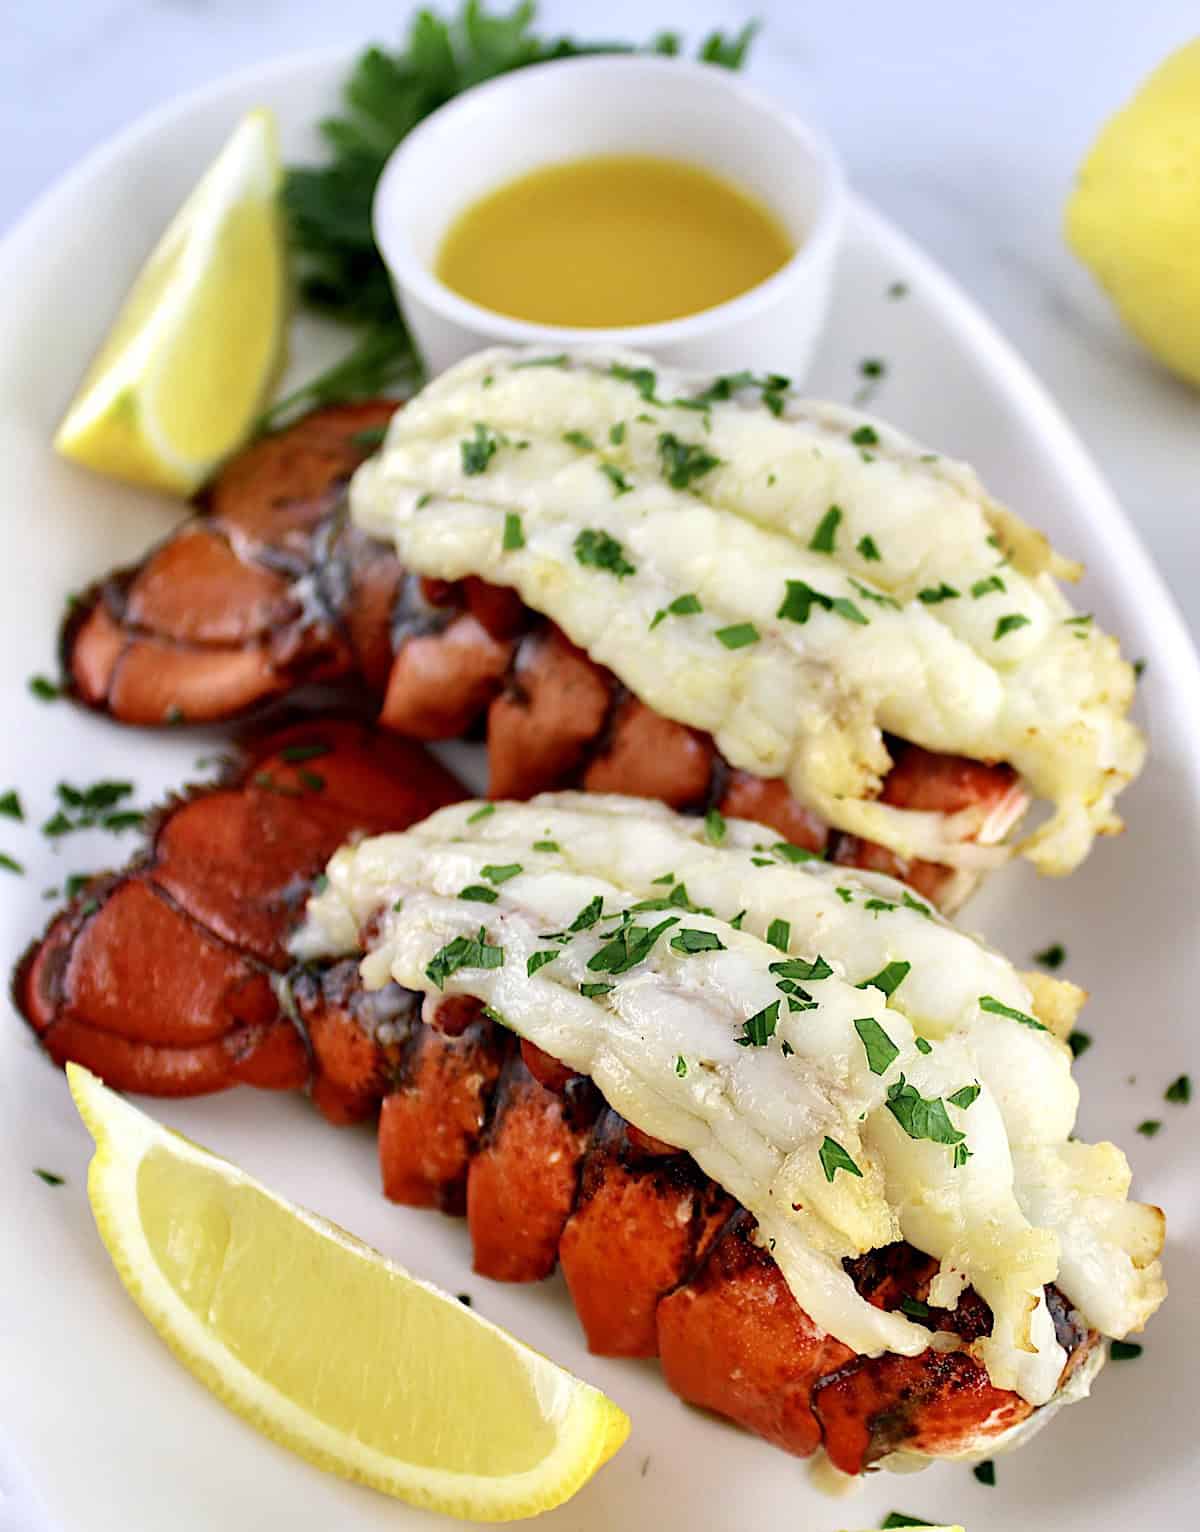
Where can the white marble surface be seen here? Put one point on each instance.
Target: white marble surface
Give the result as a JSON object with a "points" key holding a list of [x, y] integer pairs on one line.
{"points": [[963, 122]]}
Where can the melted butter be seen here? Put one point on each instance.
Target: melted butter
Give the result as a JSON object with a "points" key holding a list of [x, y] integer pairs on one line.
{"points": [[613, 240]]}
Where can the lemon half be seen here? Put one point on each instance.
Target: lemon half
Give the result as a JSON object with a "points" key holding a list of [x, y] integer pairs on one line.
{"points": [[185, 370], [323, 1344], [1134, 216]]}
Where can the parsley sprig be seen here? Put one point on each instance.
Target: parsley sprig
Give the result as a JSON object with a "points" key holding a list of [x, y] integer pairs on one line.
{"points": [[328, 206]]}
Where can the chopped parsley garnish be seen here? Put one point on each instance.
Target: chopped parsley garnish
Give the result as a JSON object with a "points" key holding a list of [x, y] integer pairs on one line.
{"points": [[915, 904], [83, 808], [538, 960], [479, 893], [1139, 669], [667, 877], [588, 915], [879, 597], [932, 594], [620, 484], [294, 754], [10, 864], [714, 826], [998, 1008], [802, 969], [463, 952], [901, 1518], [423, 500], [846, 895], [965, 1096], [786, 852], [10, 805], [738, 635], [1081, 621], [867, 548], [682, 606], [888, 979], [880, 906], [1053, 956], [982, 587], [43, 689], [1079, 1042], [616, 434], [922, 1045], [985, 1473], [478, 450], [597, 550], [631, 945], [915, 1309], [1124, 1351], [872, 367], [1179, 1092], [681, 1066], [865, 436], [313, 780], [1009, 624], [881, 1051], [501, 874], [546, 845], [50, 1177], [688, 941], [1149, 1128], [642, 378], [736, 922], [758, 1028], [558, 360], [682, 461], [921, 1117], [593, 991], [801, 598], [579, 439], [514, 533], [834, 1158], [824, 538], [779, 934]]}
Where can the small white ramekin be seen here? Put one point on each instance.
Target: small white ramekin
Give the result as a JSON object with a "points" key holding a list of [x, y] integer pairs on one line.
{"points": [[618, 104]]}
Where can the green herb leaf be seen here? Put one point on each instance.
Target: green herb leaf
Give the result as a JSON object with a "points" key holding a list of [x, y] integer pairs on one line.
{"points": [[593, 991], [757, 1029], [50, 1177], [478, 450], [888, 979], [786, 852], [682, 606], [965, 1096], [779, 934], [1124, 1351], [901, 1518], [682, 462], [44, 690], [834, 1158], [616, 434], [1149, 1127], [916, 906], [1179, 1092], [982, 587], [714, 826], [681, 1068], [642, 378], [881, 1051], [579, 439], [10, 864], [294, 754], [867, 549], [502, 873], [546, 845], [933, 594], [559, 359], [1009, 624], [463, 952], [10, 805], [688, 941], [915, 1309], [921, 1117], [803, 970], [738, 635], [998, 1008], [630, 946], [985, 1472], [1079, 1042], [514, 533], [865, 436], [482, 812], [538, 960], [597, 550], [922, 1045], [479, 893], [824, 538]]}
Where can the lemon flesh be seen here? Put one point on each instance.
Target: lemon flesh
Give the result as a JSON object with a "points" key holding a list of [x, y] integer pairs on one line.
{"points": [[181, 378], [1134, 216], [323, 1344]]}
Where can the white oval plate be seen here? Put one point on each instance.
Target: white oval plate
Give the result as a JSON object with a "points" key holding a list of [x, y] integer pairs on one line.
{"points": [[112, 1432]]}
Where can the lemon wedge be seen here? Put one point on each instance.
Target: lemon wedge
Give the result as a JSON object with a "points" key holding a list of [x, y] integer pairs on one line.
{"points": [[1134, 216], [185, 369], [326, 1346]]}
